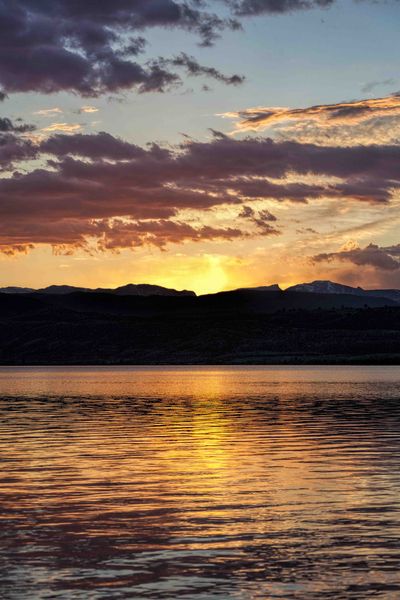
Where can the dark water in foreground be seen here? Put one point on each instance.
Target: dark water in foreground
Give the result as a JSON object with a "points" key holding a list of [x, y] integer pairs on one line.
{"points": [[251, 483]]}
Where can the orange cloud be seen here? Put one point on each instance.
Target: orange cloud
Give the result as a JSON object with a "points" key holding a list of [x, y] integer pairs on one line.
{"points": [[64, 127], [326, 115]]}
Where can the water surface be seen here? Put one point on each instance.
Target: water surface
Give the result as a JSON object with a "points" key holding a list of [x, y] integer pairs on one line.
{"points": [[200, 483]]}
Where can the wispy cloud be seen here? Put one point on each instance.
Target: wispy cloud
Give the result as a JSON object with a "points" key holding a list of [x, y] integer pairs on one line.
{"points": [[372, 85], [64, 127], [88, 109], [48, 112], [326, 115], [195, 69]]}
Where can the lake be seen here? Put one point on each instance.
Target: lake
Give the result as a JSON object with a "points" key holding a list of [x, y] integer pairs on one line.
{"points": [[200, 483]]}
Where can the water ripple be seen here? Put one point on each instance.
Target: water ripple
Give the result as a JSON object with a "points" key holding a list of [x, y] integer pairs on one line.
{"points": [[200, 483]]}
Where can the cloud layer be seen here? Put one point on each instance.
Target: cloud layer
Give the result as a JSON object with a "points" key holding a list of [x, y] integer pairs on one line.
{"points": [[103, 190]]}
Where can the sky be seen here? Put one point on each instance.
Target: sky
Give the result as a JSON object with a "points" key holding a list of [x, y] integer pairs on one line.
{"points": [[199, 144]]}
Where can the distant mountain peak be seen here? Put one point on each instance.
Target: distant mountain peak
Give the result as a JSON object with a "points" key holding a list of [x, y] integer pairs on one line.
{"points": [[269, 288], [324, 286], [147, 289], [265, 288], [61, 289]]}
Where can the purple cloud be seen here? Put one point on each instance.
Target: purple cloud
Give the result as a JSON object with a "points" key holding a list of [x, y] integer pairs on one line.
{"points": [[95, 179], [372, 255], [91, 48]]}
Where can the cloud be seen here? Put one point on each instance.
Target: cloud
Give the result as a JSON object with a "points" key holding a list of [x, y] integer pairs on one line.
{"points": [[92, 48], [325, 115], [65, 127], [48, 112], [14, 145], [377, 130], [261, 218], [99, 146], [371, 85], [7, 126], [89, 47], [88, 109], [68, 235], [119, 234], [90, 183], [14, 149], [251, 8], [259, 7], [193, 68], [373, 255]]}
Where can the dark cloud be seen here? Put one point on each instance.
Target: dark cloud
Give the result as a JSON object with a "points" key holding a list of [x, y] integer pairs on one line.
{"points": [[14, 147], [372, 85], [92, 179], [7, 126], [101, 145], [89, 47], [393, 250], [135, 46], [259, 7], [193, 68], [364, 169], [249, 8], [261, 218], [371, 255], [159, 233], [68, 235]]}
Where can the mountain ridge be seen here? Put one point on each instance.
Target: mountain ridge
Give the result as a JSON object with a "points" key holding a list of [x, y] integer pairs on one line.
{"points": [[147, 290], [325, 286], [130, 289]]}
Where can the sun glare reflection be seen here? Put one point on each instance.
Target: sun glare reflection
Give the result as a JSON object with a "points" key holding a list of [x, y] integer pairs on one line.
{"points": [[152, 475]]}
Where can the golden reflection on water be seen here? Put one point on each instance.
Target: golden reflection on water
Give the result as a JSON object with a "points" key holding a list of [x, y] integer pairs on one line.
{"points": [[200, 483]]}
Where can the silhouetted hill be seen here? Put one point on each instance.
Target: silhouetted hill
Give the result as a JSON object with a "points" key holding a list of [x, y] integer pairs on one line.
{"points": [[237, 302], [130, 289], [145, 289], [16, 290], [14, 304], [326, 287], [241, 327], [265, 302], [61, 289]]}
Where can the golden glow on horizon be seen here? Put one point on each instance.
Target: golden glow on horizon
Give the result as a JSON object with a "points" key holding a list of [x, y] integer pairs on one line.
{"points": [[209, 267]]}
